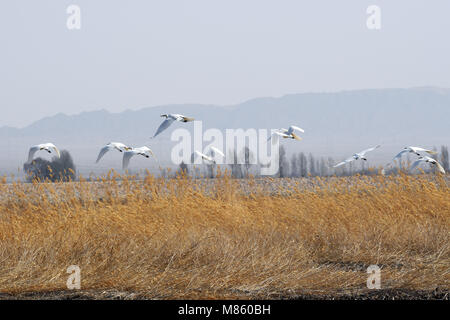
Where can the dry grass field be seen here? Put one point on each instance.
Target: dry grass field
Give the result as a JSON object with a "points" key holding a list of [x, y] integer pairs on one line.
{"points": [[181, 238]]}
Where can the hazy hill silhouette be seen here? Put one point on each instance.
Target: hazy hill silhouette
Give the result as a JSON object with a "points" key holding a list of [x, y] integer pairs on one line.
{"points": [[335, 123]]}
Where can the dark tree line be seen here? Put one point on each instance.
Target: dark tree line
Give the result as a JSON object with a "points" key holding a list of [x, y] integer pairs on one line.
{"points": [[299, 165], [58, 169]]}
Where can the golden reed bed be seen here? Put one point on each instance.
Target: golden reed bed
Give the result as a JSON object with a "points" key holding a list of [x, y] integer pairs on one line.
{"points": [[226, 238]]}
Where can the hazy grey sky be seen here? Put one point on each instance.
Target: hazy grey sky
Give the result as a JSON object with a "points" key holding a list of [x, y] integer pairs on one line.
{"points": [[134, 54]]}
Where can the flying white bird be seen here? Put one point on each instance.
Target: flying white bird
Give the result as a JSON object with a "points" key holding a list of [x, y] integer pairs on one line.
{"points": [[415, 150], [204, 156], [142, 151], [111, 146], [287, 133], [170, 118], [361, 155], [429, 160], [49, 147], [215, 151], [212, 153]]}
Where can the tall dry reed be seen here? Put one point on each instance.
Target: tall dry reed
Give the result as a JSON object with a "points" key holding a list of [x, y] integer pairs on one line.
{"points": [[220, 238]]}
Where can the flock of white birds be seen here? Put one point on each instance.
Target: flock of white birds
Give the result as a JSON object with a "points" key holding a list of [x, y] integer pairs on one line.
{"points": [[129, 152]]}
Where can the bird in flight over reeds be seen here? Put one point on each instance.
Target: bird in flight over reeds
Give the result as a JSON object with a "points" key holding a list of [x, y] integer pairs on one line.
{"points": [[287, 133], [170, 118], [360, 155], [142, 151], [49, 147], [112, 146], [415, 150], [429, 160], [212, 154]]}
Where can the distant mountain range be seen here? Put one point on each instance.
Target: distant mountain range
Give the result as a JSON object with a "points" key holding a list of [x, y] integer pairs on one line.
{"points": [[336, 124]]}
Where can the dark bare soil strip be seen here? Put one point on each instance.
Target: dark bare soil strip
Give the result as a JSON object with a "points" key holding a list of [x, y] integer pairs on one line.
{"points": [[382, 294]]}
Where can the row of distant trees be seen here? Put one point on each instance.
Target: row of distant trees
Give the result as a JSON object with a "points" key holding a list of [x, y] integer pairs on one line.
{"points": [[299, 165]]}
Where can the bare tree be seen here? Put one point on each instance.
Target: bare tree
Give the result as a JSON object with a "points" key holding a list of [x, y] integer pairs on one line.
{"points": [[294, 166], [444, 158], [236, 169], [303, 164], [323, 167], [283, 163], [248, 158], [183, 169], [312, 165]]}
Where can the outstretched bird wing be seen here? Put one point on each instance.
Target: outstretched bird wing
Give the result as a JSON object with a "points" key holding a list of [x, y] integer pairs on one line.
{"points": [[417, 149], [56, 150], [166, 123], [399, 154], [339, 164], [31, 153], [204, 156], [104, 150], [440, 168], [362, 153], [344, 162], [292, 128], [216, 151], [126, 158]]}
